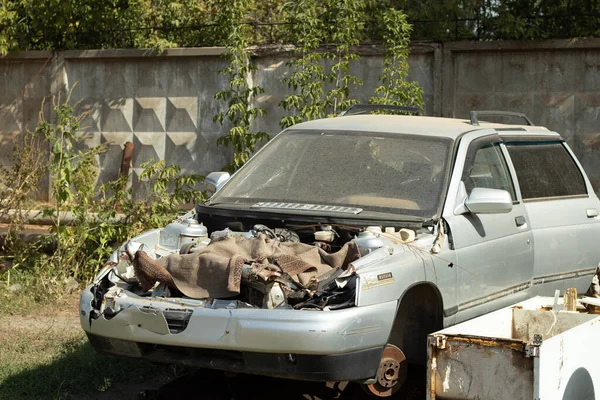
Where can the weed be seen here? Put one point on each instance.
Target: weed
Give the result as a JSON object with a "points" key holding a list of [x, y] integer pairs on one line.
{"points": [[78, 245], [394, 89], [18, 185], [168, 190], [239, 94], [307, 102]]}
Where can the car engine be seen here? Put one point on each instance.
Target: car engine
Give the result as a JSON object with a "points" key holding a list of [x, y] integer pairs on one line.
{"points": [[263, 283]]}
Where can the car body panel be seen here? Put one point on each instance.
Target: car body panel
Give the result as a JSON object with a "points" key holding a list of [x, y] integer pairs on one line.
{"points": [[494, 255], [565, 238], [270, 331], [565, 232], [407, 266]]}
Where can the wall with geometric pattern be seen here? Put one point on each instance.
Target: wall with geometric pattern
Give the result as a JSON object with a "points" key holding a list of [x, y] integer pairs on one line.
{"points": [[164, 106], [164, 103]]}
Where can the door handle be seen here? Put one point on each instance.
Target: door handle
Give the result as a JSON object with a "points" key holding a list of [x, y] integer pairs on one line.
{"points": [[591, 212], [520, 220]]}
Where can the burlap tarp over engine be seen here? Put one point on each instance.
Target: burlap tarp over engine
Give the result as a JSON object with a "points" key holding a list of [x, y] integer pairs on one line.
{"points": [[216, 270]]}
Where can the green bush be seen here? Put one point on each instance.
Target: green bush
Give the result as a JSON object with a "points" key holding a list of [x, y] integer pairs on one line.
{"points": [[103, 216]]}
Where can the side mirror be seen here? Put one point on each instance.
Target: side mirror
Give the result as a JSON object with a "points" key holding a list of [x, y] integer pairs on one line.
{"points": [[215, 181], [488, 201]]}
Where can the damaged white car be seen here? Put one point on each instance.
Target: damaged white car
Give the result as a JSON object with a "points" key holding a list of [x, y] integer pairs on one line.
{"points": [[343, 242]]}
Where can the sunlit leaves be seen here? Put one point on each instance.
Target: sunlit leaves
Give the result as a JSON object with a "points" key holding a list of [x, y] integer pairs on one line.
{"points": [[395, 89], [80, 24], [307, 74], [347, 25], [239, 95]]}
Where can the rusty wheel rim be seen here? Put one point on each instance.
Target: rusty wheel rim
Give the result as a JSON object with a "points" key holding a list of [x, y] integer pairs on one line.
{"points": [[391, 373]]}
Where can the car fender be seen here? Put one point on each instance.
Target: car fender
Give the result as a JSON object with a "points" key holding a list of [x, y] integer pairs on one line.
{"points": [[389, 272]]}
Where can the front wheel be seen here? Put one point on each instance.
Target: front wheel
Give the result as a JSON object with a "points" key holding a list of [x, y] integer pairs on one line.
{"points": [[391, 374]]}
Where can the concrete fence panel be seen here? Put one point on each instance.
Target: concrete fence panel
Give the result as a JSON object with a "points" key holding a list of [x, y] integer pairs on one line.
{"points": [[556, 83], [164, 103]]}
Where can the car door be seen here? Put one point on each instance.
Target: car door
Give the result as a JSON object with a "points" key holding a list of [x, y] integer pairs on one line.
{"points": [[494, 252], [563, 213]]}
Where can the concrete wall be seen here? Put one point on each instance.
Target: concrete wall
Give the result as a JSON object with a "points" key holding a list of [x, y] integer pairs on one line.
{"points": [[425, 62], [164, 103], [556, 83], [24, 83]]}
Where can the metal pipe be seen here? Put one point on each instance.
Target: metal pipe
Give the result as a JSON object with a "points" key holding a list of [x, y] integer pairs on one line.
{"points": [[126, 159], [35, 217]]}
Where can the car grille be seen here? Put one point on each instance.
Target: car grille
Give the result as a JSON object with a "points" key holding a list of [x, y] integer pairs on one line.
{"points": [[177, 320]]}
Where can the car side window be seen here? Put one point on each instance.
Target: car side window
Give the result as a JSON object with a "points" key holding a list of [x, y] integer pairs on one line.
{"points": [[546, 169], [486, 167]]}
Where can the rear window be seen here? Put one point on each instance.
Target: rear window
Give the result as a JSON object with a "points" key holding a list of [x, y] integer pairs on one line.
{"points": [[546, 170]]}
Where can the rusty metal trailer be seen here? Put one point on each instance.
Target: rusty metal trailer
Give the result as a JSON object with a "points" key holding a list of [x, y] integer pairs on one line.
{"points": [[531, 350]]}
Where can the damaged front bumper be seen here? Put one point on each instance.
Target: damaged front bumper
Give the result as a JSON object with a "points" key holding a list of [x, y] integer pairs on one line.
{"points": [[300, 344]]}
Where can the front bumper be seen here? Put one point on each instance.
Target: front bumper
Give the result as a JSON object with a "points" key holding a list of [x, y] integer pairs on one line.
{"points": [[261, 340], [356, 365]]}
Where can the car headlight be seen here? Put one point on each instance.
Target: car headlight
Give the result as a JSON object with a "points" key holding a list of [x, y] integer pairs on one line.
{"points": [[111, 262]]}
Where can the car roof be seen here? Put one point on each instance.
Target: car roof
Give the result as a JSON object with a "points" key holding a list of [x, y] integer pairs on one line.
{"points": [[416, 125]]}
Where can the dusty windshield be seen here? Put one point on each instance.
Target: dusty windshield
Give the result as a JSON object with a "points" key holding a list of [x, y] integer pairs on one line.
{"points": [[374, 171]]}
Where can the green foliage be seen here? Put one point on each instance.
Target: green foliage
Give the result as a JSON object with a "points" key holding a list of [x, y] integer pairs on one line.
{"points": [[8, 21], [72, 177], [307, 74], [439, 20], [346, 22], [100, 217], [347, 25], [85, 24], [265, 17], [239, 95], [80, 24], [18, 186], [172, 17], [540, 19], [394, 88], [66, 163], [168, 190], [500, 20]]}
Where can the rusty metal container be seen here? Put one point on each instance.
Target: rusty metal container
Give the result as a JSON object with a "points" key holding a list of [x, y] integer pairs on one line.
{"points": [[526, 351]]}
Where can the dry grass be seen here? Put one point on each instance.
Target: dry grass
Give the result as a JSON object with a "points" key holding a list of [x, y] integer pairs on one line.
{"points": [[44, 354], [31, 300]]}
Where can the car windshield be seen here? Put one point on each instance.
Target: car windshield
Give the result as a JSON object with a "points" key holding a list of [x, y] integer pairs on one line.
{"points": [[372, 171]]}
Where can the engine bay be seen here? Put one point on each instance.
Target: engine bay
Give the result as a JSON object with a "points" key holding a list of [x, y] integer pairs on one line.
{"points": [[301, 266]]}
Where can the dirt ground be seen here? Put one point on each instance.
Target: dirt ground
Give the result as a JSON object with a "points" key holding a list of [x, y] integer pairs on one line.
{"points": [[61, 319]]}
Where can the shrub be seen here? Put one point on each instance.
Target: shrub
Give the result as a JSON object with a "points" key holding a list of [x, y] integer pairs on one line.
{"points": [[100, 217]]}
